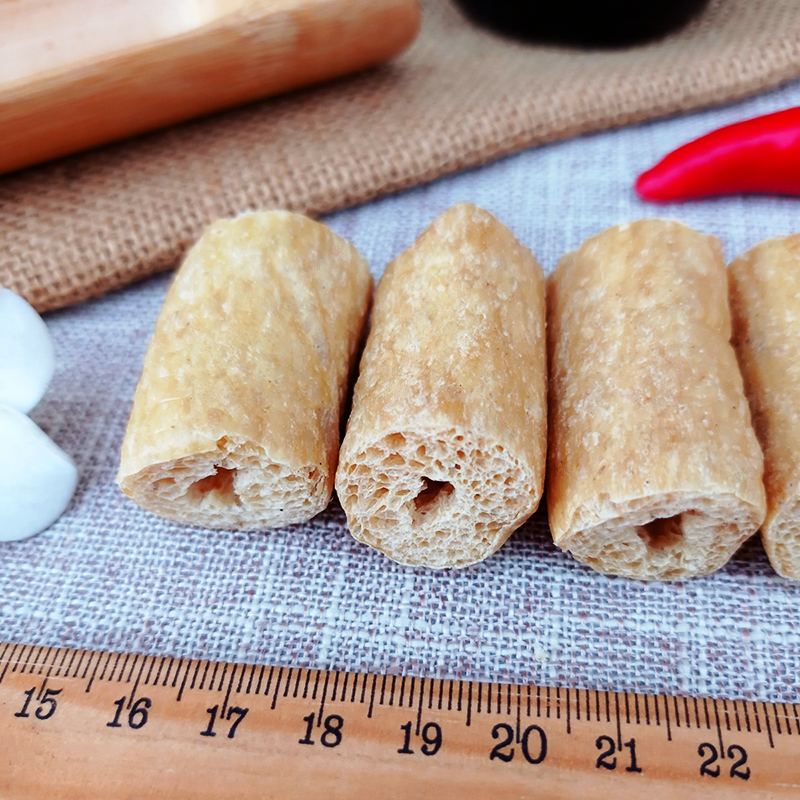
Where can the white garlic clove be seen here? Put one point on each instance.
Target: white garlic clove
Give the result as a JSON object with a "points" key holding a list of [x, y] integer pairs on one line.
{"points": [[27, 358], [37, 478]]}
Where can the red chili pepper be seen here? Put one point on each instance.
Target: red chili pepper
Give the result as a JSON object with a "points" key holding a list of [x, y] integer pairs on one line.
{"points": [[757, 156]]}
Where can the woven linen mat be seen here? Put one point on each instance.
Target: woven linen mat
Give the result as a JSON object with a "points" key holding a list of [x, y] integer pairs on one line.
{"points": [[461, 96]]}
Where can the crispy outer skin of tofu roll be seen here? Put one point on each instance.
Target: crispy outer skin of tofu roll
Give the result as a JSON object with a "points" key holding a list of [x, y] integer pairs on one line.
{"points": [[236, 421], [444, 454], [765, 303], [654, 471]]}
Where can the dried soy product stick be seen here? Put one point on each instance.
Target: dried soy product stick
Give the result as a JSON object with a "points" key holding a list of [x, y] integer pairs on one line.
{"points": [[236, 419], [654, 470], [445, 447], [765, 302]]}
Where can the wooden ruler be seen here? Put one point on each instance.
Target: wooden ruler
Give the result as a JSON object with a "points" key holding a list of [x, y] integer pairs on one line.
{"points": [[76, 723]]}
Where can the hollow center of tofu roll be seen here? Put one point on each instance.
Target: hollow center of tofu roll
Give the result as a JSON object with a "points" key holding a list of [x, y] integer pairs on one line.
{"points": [[688, 536], [236, 486], [662, 533], [433, 496], [436, 499], [221, 482]]}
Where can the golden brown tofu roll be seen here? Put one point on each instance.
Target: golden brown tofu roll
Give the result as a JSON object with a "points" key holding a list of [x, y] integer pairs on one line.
{"points": [[654, 471], [765, 302], [445, 448], [236, 418]]}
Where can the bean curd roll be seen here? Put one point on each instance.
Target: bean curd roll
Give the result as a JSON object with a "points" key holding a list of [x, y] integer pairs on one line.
{"points": [[654, 470], [445, 447], [765, 301], [236, 419]]}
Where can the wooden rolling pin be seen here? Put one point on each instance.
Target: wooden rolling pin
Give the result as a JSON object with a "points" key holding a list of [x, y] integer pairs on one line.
{"points": [[78, 73]]}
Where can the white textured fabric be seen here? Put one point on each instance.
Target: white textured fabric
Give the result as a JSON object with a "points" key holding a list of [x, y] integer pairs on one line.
{"points": [[110, 576]]}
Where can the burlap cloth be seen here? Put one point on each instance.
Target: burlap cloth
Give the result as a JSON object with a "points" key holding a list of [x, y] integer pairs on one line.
{"points": [[461, 96]]}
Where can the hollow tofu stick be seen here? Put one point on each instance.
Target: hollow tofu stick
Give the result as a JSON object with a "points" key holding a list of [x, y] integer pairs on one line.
{"points": [[654, 470], [765, 302], [236, 419], [445, 447]]}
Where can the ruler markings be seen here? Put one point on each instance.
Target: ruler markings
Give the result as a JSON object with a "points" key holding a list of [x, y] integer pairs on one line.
{"points": [[80, 661], [136, 683], [31, 651], [161, 662], [288, 681], [719, 729], [316, 685], [221, 678], [383, 690], [569, 729], [736, 717], [769, 727], [61, 663], [756, 717], [269, 682], [528, 701], [227, 697], [133, 667], [185, 678], [63, 659], [419, 704], [114, 668], [249, 680], [324, 696], [786, 719], [177, 672], [372, 696], [777, 721], [94, 672], [196, 673], [364, 689], [47, 655], [213, 675], [277, 687]]}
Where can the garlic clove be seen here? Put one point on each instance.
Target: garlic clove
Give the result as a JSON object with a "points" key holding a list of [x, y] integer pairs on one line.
{"points": [[37, 478], [27, 357]]}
